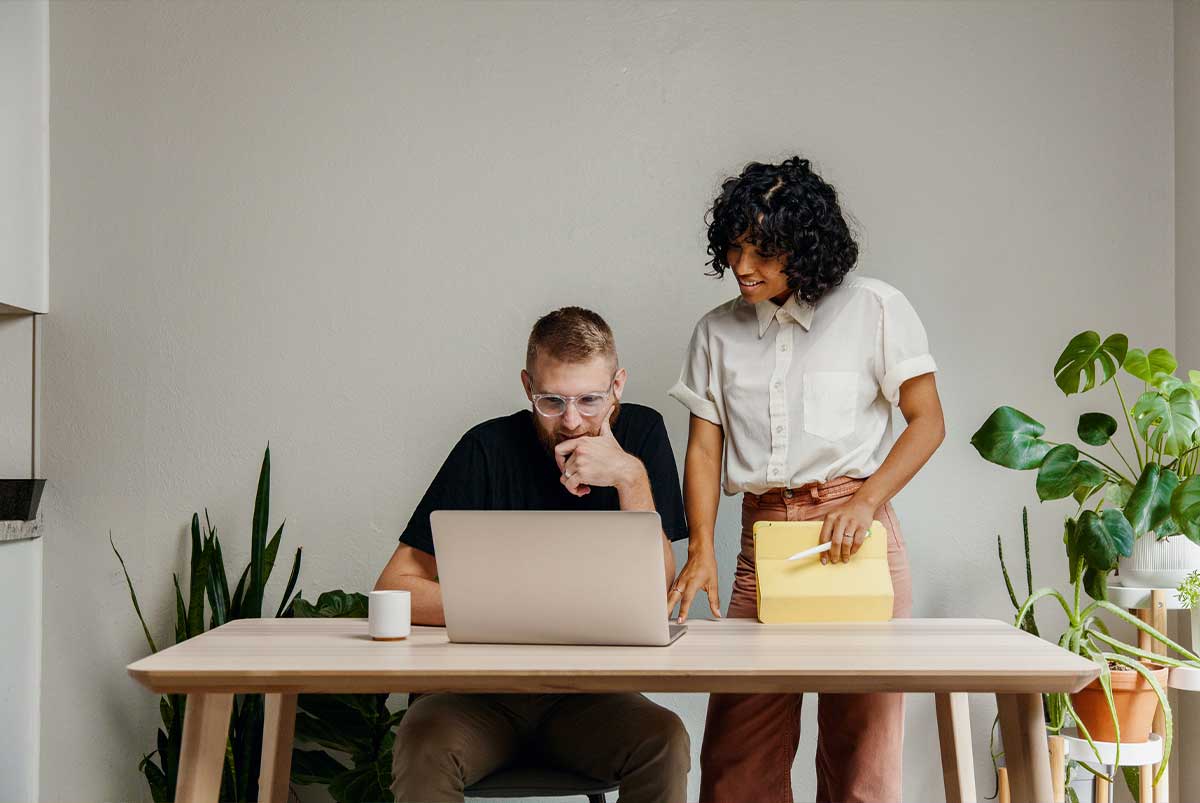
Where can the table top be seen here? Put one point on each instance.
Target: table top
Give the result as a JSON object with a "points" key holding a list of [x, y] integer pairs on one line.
{"points": [[731, 655]]}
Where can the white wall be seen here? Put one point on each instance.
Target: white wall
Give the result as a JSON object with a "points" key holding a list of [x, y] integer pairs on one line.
{"points": [[20, 577], [24, 149], [24, 50], [331, 226], [1187, 282]]}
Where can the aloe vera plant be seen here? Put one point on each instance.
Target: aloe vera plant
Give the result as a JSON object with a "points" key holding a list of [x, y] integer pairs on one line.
{"points": [[208, 580]]}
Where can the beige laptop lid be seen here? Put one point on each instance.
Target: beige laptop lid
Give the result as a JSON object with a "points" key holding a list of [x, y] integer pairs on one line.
{"points": [[552, 577]]}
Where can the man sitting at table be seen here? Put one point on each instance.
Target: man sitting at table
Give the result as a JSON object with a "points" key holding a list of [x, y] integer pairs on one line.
{"points": [[578, 448]]}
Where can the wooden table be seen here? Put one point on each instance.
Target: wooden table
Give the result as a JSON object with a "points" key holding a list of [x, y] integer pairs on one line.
{"points": [[947, 657]]}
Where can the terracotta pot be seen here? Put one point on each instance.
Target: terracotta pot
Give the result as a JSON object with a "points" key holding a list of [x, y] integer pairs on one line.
{"points": [[1134, 699]]}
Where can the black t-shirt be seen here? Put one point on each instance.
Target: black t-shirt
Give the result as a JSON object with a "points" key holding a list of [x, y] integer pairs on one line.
{"points": [[502, 465]]}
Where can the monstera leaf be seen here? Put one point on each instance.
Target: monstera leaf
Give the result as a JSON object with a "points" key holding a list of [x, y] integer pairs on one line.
{"points": [[1062, 472], [1185, 508], [1079, 359], [1167, 424], [1149, 504], [1103, 538], [1011, 439], [1096, 429], [1144, 366]]}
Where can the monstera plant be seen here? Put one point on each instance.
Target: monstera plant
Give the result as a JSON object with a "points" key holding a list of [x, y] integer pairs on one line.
{"points": [[1149, 486]]}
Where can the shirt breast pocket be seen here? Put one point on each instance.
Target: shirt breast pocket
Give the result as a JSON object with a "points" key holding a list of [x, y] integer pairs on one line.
{"points": [[830, 403]]}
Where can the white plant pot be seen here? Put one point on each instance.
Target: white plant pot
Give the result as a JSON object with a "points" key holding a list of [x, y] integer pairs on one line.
{"points": [[1159, 564]]}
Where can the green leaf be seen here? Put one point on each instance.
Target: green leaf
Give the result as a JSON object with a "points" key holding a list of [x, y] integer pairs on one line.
{"points": [[1084, 493], [272, 550], [1095, 583], [1150, 503], [1074, 555], [1011, 439], [257, 586], [258, 542], [156, 779], [1062, 472], [1078, 361], [315, 767], [332, 604], [1167, 383], [1096, 429], [217, 587], [239, 594], [198, 580], [1117, 494], [133, 595], [291, 583], [1104, 537], [1145, 366], [1167, 424], [336, 732], [1185, 508], [181, 618]]}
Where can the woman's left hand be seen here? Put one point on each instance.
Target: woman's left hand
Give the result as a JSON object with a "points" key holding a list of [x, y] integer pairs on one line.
{"points": [[847, 528]]}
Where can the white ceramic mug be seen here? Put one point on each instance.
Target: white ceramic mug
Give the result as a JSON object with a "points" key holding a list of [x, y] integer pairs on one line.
{"points": [[389, 615]]}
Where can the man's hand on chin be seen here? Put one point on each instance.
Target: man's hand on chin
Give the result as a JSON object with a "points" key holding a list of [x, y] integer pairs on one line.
{"points": [[596, 460]]}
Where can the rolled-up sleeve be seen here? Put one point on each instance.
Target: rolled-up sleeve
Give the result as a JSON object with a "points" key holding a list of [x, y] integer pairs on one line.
{"points": [[903, 347], [694, 388]]}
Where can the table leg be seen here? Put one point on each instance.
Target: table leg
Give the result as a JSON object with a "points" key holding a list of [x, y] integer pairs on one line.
{"points": [[1026, 751], [1156, 617], [954, 736], [1101, 790], [205, 732], [279, 726]]}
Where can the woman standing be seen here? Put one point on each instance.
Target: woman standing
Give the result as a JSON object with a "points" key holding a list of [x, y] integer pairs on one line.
{"points": [[791, 387]]}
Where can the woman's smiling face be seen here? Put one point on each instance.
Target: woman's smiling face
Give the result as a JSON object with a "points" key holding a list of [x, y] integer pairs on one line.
{"points": [[759, 277]]}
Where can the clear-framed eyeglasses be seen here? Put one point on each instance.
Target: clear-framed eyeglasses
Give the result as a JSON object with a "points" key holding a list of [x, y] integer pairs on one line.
{"points": [[552, 405]]}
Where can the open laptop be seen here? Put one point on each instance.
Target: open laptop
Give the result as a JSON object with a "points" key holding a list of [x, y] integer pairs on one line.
{"points": [[553, 577]]}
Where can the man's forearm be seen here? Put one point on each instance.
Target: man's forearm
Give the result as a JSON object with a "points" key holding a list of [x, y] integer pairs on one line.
{"points": [[635, 494], [426, 597]]}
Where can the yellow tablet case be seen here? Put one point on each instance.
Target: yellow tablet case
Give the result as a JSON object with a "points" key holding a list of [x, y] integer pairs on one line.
{"points": [[859, 590]]}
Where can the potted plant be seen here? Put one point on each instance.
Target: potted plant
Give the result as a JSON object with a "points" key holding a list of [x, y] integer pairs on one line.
{"points": [[1120, 704], [1189, 594], [1115, 507], [1141, 509]]}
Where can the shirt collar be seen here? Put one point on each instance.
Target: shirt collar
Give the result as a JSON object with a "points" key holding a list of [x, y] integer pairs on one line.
{"points": [[800, 312]]}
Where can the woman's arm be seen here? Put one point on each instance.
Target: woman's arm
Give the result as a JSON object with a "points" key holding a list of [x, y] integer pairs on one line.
{"points": [[415, 571], [701, 494], [847, 526]]}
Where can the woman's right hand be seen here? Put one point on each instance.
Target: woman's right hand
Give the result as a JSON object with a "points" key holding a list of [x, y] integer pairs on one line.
{"points": [[699, 573]]}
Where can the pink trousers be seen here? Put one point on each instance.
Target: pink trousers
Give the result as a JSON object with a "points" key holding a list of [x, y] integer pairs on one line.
{"points": [[750, 740]]}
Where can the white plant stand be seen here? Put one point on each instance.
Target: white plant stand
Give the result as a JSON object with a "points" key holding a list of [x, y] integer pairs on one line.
{"points": [[1146, 755], [1151, 606]]}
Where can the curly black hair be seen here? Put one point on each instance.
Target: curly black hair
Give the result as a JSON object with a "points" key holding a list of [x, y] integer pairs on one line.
{"points": [[784, 210]]}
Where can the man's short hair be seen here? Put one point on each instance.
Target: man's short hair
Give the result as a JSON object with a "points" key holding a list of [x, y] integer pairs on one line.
{"points": [[570, 334]]}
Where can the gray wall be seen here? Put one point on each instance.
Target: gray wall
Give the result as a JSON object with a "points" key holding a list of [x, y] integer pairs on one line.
{"points": [[331, 226]]}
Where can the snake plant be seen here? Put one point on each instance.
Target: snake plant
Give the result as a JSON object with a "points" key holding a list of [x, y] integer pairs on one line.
{"points": [[208, 580]]}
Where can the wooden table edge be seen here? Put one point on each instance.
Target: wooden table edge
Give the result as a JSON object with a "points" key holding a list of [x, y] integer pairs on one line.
{"points": [[552, 681]]}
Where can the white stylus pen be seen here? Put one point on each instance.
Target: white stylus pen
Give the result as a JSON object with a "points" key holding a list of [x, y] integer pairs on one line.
{"points": [[816, 550]]}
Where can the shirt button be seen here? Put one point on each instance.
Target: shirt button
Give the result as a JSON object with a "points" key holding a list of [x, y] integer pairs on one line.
{"points": [[779, 429], [783, 346], [778, 385]]}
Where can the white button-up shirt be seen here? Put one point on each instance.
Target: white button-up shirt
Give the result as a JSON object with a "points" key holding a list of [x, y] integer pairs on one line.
{"points": [[804, 392]]}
